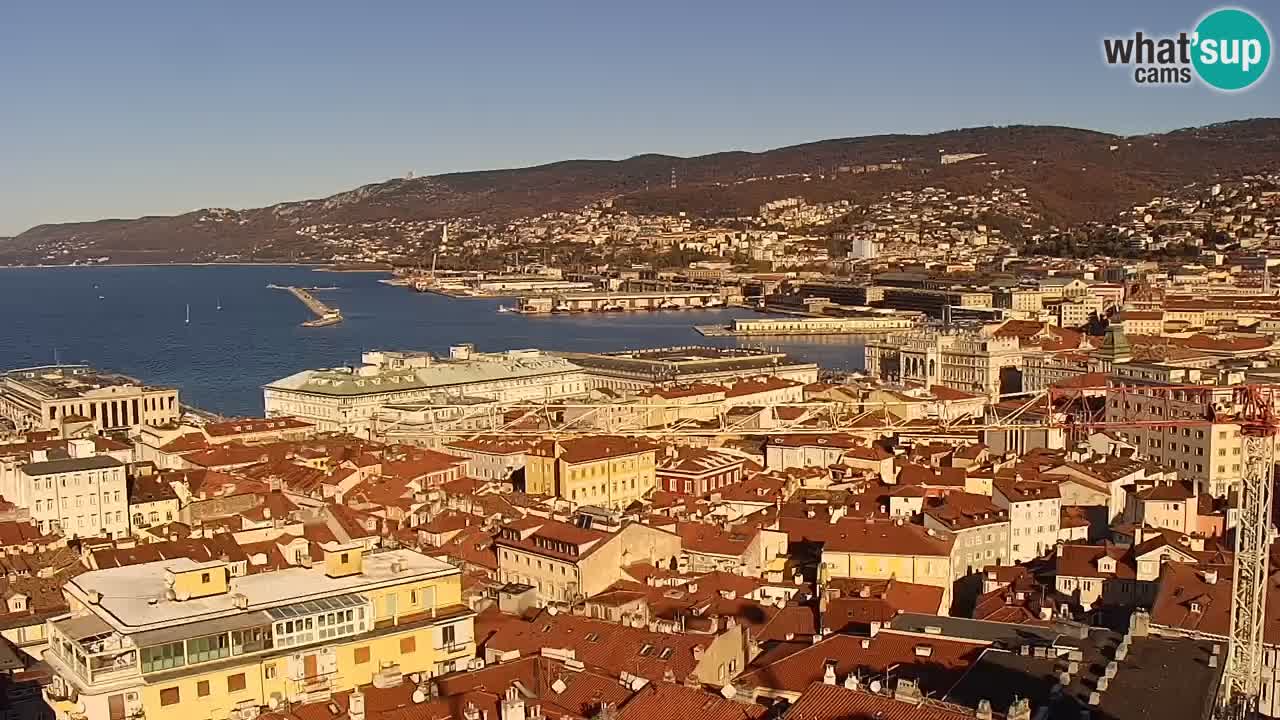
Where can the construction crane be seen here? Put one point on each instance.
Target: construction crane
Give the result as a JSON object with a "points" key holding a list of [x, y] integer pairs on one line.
{"points": [[1066, 414]]}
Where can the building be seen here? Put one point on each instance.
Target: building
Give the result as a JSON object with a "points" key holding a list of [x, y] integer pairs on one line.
{"points": [[83, 494], [743, 549], [1167, 504], [879, 550], [1210, 454], [979, 527], [1035, 509], [564, 561], [348, 399], [1140, 322], [698, 471], [610, 472], [642, 369], [490, 457], [183, 639], [965, 360], [45, 398], [152, 500]]}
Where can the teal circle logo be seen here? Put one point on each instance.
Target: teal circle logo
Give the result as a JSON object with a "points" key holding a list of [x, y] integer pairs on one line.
{"points": [[1231, 49]]}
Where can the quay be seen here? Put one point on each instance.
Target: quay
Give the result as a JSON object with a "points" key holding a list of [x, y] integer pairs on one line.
{"points": [[854, 325], [325, 315], [619, 301]]}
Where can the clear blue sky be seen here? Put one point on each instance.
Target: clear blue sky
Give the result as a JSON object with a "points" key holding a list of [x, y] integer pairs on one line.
{"points": [[118, 109]]}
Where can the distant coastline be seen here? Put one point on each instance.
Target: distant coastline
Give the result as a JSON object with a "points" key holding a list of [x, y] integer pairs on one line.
{"points": [[322, 267]]}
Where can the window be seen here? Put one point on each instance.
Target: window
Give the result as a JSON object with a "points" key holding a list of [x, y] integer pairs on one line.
{"points": [[235, 683], [408, 645], [646, 650], [362, 655], [169, 696], [666, 653], [208, 648], [204, 577], [202, 688], [269, 671], [163, 657]]}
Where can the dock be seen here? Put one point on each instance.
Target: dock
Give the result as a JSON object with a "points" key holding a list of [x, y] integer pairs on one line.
{"points": [[325, 315]]}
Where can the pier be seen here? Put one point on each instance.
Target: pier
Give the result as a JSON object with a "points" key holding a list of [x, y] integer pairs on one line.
{"points": [[325, 315]]}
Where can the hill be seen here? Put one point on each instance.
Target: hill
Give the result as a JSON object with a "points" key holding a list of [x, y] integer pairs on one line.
{"points": [[1072, 175]]}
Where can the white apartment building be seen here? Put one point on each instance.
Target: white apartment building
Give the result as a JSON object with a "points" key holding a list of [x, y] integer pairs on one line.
{"points": [[1210, 454], [1035, 509], [85, 495], [348, 399]]}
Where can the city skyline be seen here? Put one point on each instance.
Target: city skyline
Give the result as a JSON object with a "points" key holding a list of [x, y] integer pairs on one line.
{"points": [[151, 110]]}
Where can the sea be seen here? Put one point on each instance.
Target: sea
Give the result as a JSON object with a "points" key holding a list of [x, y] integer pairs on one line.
{"points": [[243, 334]]}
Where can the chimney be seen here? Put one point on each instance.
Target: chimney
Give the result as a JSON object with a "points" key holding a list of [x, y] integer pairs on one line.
{"points": [[355, 705], [908, 691], [1020, 710], [513, 704], [829, 674], [984, 710]]}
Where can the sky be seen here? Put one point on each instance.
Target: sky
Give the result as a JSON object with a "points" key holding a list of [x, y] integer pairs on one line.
{"points": [[128, 108]]}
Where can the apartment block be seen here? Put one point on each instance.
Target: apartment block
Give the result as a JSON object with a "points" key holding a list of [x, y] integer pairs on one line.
{"points": [[179, 639]]}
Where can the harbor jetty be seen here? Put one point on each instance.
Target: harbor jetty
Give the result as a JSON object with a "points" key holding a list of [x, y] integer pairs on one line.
{"points": [[325, 315]]}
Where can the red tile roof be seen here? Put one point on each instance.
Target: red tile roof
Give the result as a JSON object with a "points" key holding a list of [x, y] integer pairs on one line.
{"points": [[939, 669], [250, 426], [834, 702], [615, 648], [666, 700]]}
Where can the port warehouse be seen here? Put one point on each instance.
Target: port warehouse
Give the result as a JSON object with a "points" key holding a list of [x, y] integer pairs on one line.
{"points": [[937, 303], [605, 301]]}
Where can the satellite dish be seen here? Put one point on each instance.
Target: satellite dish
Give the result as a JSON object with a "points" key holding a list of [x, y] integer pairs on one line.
{"points": [[875, 686], [419, 696]]}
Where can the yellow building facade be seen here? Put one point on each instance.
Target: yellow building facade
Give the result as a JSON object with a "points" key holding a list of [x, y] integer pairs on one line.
{"points": [[603, 471], [187, 641]]}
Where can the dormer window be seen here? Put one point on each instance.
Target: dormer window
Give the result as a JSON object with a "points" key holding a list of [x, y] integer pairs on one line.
{"points": [[646, 650], [666, 654], [1195, 607]]}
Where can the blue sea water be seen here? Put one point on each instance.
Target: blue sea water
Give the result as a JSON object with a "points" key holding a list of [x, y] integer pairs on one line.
{"points": [[132, 320]]}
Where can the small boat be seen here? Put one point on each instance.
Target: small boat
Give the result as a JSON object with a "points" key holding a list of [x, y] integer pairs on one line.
{"points": [[188, 314], [561, 307], [715, 302], [219, 304], [505, 309], [612, 306], [668, 305], [102, 297]]}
